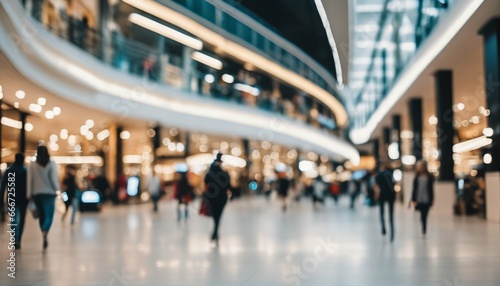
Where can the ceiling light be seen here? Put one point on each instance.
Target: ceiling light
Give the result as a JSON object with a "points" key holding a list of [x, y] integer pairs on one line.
{"points": [[16, 104], [42, 101], [125, 135], [228, 78], [103, 135], [89, 136], [35, 108], [56, 110], [460, 106], [49, 114], [84, 130], [72, 140], [487, 159], [165, 31], [28, 127], [207, 60], [20, 94], [488, 132], [53, 138], [247, 88], [209, 78], [89, 123], [472, 144], [64, 134], [180, 147], [11, 122]]}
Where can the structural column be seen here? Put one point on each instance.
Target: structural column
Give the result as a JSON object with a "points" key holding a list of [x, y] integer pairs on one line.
{"points": [[376, 154], [491, 34], [387, 141], [22, 137], [396, 133], [416, 122], [445, 192]]}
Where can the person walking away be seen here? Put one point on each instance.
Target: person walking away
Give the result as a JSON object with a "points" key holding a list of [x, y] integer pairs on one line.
{"points": [[14, 182], [283, 186], [318, 191], [43, 185], [422, 196], [154, 190], [354, 189], [335, 190], [386, 195], [70, 187], [217, 183], [184, 195]]}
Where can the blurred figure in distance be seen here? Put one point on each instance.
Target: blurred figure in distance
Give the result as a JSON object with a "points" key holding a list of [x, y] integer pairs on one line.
{"points": [[154, 189], [385, 194], [184, 194], [70, 187], [422, 196]]}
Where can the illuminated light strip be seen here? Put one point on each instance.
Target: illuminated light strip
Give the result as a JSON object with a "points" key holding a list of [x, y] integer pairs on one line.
{"points": [[247, 88], [244, 54], [433, 47], [11, 122], [95, 160], [208, 158], [331, 40], [165, 31], [132, 159], [207, 60], [472, 144]]}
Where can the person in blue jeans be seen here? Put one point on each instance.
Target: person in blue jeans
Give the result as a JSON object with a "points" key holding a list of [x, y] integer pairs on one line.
{"points": [[15, 179], [43, 185]]}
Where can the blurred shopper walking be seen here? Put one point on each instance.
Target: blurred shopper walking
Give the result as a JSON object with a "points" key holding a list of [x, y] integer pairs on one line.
{"points": [[318, 191], [386, 195], [217, 183], [283, 187], [423, 192], [14, 182], [154, 189], [70, 187], [42, 186], [184, 195]]}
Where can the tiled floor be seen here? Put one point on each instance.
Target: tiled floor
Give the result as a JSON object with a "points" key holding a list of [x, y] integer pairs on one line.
{"points": [[259, 245]]}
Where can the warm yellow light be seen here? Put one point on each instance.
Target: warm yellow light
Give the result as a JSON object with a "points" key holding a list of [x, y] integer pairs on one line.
{"points": [[207, 60], [165, 31]]}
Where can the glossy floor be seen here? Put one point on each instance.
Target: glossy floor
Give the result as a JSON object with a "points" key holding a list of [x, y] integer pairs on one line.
{"points": [[260, 245]]}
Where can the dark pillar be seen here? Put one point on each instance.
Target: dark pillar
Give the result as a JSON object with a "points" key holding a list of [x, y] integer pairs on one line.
{"points": [[384, 72], [376, 154], [119, 153], [491, 34], [187, 150], [1, 114], [416, 121], [396, 132], [22, 137], [156, 141], [387, 141], [445, 130]]}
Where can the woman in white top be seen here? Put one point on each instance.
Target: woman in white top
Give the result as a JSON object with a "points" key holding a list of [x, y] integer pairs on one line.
{"points": [[42, 186], [423, 192]]}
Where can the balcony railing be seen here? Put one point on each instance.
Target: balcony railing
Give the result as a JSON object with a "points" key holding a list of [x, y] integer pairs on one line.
{"points": [[401, 34], [153, 64], [243, 24]]}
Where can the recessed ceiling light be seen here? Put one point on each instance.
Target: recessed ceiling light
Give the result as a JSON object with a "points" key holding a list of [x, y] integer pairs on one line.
{"points": [[89, 123], [56, 110], [42, 101], [20, 94], [49, 114], [28, 127]]}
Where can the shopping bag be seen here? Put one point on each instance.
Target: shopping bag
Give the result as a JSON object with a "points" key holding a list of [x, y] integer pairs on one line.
{"points": [[205, 209], [33, 209]]}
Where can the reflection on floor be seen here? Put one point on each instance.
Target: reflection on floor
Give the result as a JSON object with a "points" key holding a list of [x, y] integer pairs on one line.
{"points": [[260, 245]]}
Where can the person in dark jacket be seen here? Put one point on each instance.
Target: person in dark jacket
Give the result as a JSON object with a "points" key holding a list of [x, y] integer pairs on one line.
{"points": [[70, 187], [217, 183], [422, 196], [386, 195], [14, 181], [283, 187], [184, 194]]}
